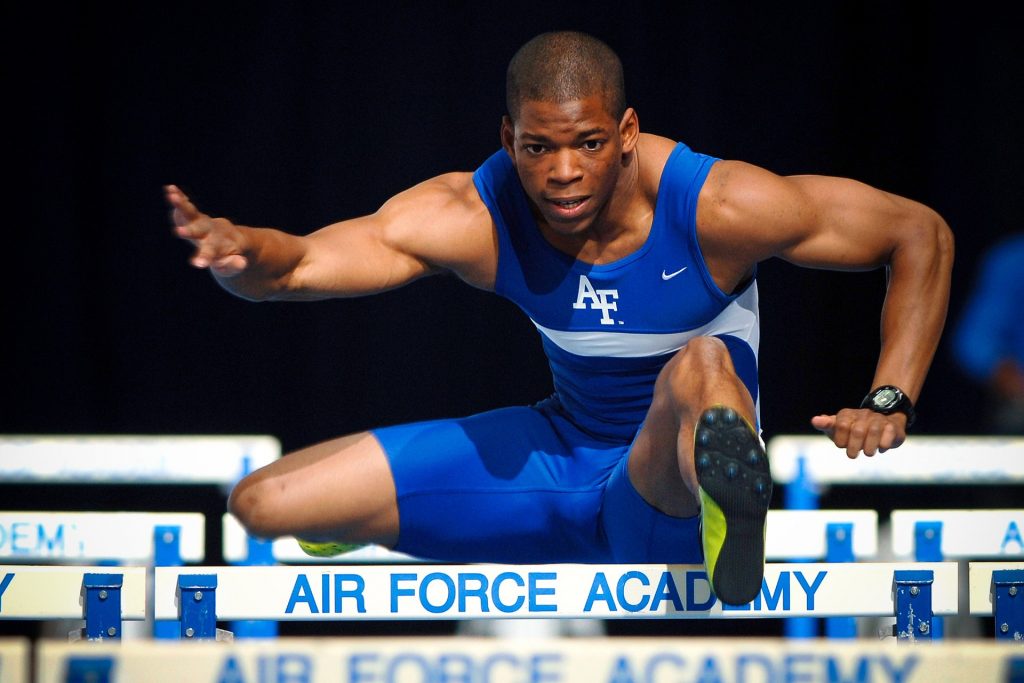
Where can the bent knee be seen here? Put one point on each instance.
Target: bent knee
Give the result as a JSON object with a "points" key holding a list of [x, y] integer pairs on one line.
{"points": [[254, 502], [701, 357]]}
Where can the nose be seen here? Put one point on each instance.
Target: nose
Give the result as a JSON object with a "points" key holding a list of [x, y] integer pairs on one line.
{"points": [[564, 169]]}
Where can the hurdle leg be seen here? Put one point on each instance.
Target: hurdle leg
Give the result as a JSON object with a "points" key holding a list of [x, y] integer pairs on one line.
{"points": [[102, 606], [928, 548], [801, 494], [260, 554], [839, 548], [913, 592], [1008, 594]]}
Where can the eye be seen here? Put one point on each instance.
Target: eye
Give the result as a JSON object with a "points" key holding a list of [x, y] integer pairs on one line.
{"points": [[593, 145], [534, 149]]}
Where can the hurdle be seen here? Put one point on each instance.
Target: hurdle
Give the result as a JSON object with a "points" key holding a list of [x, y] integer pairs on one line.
{"points": [[598, 660], [158, 460], [808, 464], [99, 595], [997, 589], [812, 461], [832, 535], [935, 535], [14, 660], [913, 592], [164, 538], [134, 459]]}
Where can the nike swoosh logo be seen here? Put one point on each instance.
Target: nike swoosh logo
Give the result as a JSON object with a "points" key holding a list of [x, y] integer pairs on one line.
{"points": [[669, 276]]}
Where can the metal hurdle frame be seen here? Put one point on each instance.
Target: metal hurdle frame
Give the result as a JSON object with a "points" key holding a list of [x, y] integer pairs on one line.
{"points": [[997, 589], [219, 460], [102, 596], [168, 539], [807, 464]]}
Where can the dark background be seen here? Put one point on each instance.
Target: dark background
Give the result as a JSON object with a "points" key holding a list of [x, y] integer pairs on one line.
{"points": [[296, 115]]}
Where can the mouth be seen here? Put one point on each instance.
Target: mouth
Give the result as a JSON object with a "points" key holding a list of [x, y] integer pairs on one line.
{"points": [[568, 207]]}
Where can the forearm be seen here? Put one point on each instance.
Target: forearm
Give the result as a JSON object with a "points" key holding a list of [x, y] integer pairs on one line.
{"points": [[916, 302], [272, 256]]}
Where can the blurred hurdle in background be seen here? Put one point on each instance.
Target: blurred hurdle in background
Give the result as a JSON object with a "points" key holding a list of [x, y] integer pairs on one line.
{"points": [[14, 660], [103, 596], [808, 466], [144, 460], [105, 538], [450, 660]]}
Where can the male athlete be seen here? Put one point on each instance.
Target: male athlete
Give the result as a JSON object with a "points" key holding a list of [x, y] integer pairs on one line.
{"points": [[635, 257]]}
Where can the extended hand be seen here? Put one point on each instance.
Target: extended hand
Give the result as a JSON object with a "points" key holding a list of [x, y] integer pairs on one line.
{"points": [[860, 429], [218, 242]]}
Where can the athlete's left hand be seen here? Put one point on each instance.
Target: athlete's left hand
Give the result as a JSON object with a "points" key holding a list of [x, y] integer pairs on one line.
{"points": [[862, 430]]}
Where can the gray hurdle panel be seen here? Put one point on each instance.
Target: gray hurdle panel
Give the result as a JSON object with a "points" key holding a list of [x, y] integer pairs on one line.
{"points": [[102, 596], [935, 535], [651, 660], [814, 461], [14, 660], [133, 459], [129, 537]]}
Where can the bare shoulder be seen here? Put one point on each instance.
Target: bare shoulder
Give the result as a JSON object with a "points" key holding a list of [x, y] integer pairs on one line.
{"points": [[444, 222], [653, 152], [746, 214]]}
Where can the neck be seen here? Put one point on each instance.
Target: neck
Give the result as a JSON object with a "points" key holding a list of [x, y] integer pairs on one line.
{"points": [[619, 228]]}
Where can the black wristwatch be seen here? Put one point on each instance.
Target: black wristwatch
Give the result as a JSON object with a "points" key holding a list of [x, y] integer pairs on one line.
{"points": [[888, 400]]}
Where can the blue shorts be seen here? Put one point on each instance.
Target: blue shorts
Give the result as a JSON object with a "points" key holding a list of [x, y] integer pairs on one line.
{"points": [[525, 486]]}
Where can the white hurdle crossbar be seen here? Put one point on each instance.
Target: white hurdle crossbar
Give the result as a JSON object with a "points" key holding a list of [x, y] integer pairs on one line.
{"points": [[297, 593], [219, 460], [597, 660], [102, 536], [14, 659], [812, 534], [921, 460], [934, 535], [102, 596], [997, 589]]}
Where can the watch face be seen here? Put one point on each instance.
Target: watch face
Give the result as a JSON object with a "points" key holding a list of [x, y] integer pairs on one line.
{"points": [[885, 398]]}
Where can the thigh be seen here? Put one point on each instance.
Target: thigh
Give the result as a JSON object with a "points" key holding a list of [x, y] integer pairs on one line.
{"points": [[638, 533], [503, 486], [338, 489]]}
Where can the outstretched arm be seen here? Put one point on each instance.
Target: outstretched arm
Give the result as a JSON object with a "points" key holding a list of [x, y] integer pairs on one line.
{"points": [[438, 225], [842, 224]]}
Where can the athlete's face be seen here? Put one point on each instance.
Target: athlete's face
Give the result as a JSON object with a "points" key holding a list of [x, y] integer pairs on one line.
{"points": [[569, 157]]}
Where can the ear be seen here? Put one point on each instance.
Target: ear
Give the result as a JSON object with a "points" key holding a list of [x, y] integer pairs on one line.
{"points": [[629, 130], [508, 136]]}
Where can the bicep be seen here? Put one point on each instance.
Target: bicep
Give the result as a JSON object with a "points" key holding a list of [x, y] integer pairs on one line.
{"points": [[851, 225], [415, 233], [812, 221]]}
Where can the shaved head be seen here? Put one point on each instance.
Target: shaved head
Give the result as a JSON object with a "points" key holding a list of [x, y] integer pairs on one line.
{"points": [[562, 67]]}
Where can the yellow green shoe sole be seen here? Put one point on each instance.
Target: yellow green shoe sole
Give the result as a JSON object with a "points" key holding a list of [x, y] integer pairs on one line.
{"points": [[735, 491], [326, 549]]}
